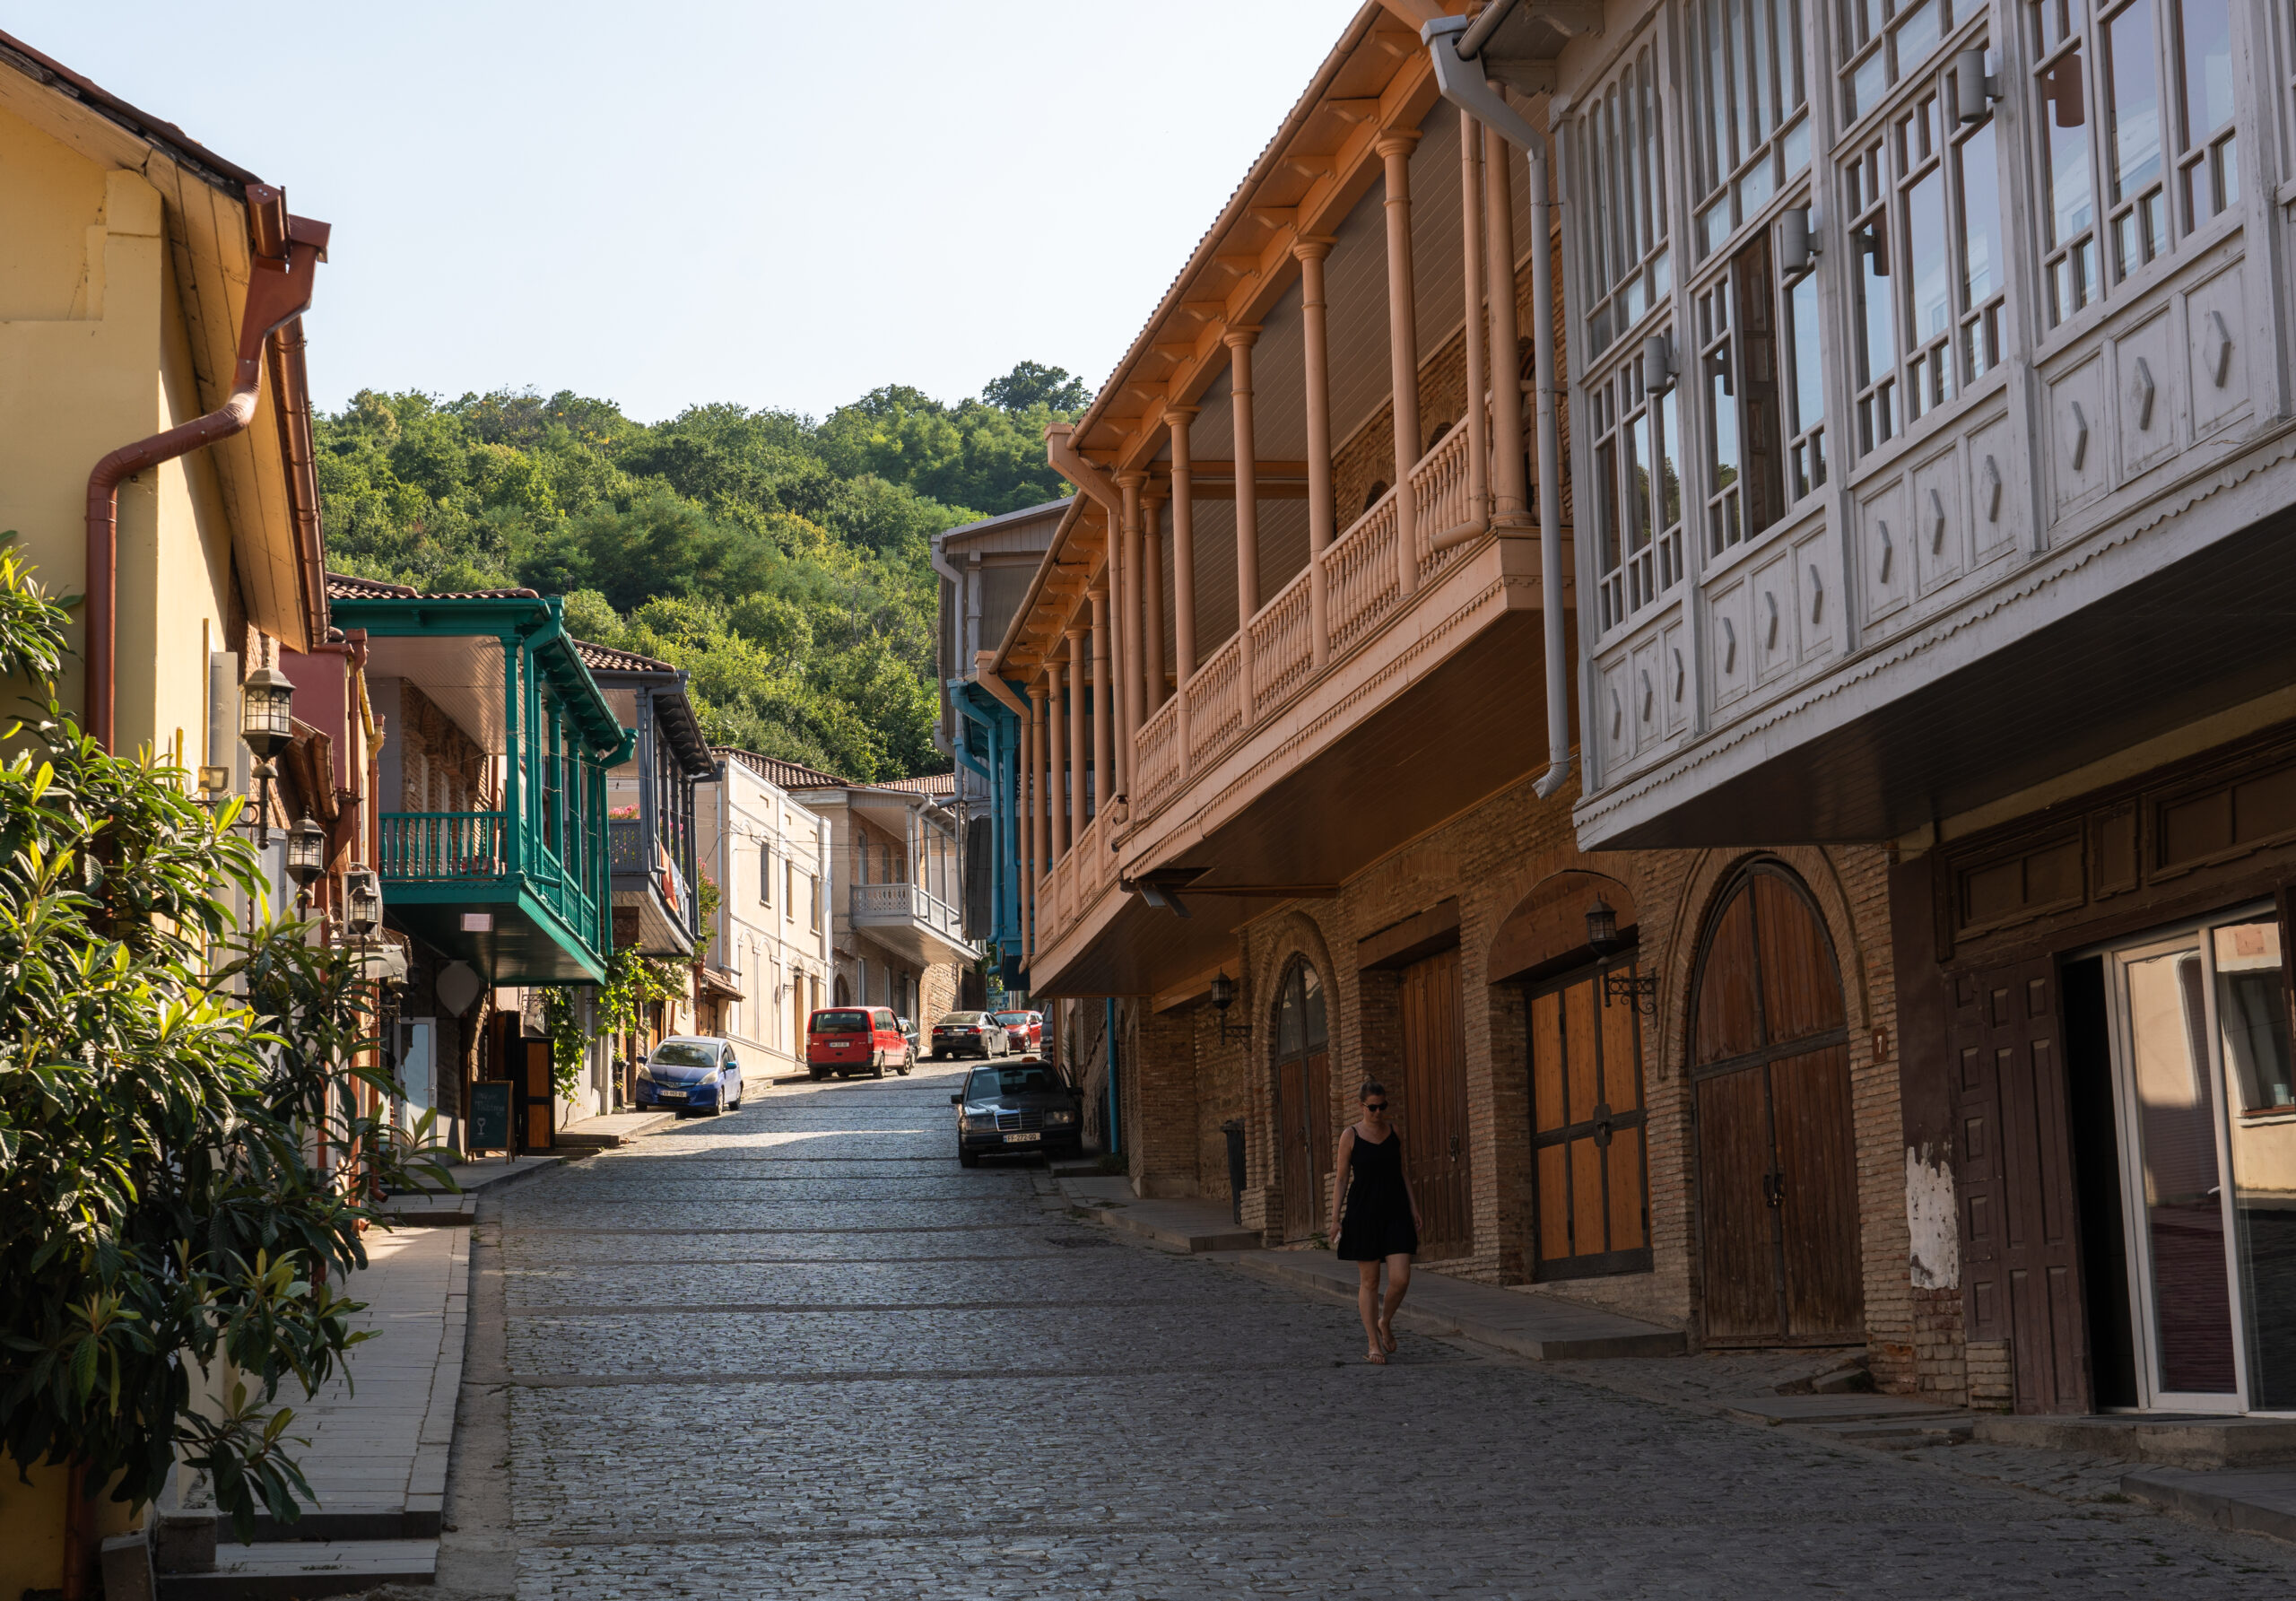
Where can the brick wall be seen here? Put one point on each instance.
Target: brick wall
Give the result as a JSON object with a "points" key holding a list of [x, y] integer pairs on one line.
{"points": [[1490, 858], [441, 767]]}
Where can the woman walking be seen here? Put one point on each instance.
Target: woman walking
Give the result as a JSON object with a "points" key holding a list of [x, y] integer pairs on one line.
{"points": [[1380, 1221]]}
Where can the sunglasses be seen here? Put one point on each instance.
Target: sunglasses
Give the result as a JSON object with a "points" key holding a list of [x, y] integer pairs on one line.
{"points": [[1375, 1106]]}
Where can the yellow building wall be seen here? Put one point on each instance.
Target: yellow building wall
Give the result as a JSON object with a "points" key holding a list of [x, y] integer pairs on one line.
{"points": [[93, 355], [31, 1528]]}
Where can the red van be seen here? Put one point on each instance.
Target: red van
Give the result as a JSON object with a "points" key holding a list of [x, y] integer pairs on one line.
{"points": [[849, 1040]]}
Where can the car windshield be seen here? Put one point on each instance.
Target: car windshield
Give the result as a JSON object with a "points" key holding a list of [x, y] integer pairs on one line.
{"points": [[676, 1054], [1013, 1020], [958, 1020], [840, 1022], [990, 1083]]}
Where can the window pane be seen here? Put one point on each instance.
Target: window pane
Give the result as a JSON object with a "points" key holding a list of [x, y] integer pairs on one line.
{"points": [[1636, 508], [1932, 301], [2260, 1092], [2135, 114], [2072, 204], [1983, 263], [1880, 348], [1669, 483], [2207, 48], [1606, 506], [1809, 379], [1917, 36]]}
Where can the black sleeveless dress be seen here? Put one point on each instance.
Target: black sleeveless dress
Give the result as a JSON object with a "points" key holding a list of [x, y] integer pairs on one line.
{"points": [[1376, 1223]]}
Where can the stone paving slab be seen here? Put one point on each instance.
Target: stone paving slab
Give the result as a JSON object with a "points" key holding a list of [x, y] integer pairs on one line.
{"points": [[457, 1208], [1542, 1327]]}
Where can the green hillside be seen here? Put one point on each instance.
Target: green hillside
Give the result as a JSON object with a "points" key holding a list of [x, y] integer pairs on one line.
{"points": [[784, 561]]}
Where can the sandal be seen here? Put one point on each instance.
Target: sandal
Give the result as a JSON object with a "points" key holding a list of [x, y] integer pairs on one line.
{"points": [[1376, 1355]]}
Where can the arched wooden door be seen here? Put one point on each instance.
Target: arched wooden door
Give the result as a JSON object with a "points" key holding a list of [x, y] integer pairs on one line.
{"points": [[1304, 1133], [1776, 1160]]}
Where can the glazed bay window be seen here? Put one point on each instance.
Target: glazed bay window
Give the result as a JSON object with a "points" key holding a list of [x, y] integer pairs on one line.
{"points": [[1751, 133], [1621, 174], [1884, 42], [2140, 94], [1923, 196], [1738, 357], [1638, 489]]}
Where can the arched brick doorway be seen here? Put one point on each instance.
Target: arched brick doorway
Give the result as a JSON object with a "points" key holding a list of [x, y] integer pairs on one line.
{"points": [[1304, 1132], [1777, 1157]]}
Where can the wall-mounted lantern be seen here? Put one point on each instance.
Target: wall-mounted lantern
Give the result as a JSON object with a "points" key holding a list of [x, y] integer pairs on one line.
{"points": [[305, 853], [1223, 996]]}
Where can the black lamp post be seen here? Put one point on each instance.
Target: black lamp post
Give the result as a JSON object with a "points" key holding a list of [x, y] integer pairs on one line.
{"points": [[1223, 996], [1639, 990], [267, 724], [306, 854]]}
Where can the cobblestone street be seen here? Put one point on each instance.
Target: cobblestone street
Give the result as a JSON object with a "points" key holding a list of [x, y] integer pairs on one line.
{"points": [[796, 1351]]}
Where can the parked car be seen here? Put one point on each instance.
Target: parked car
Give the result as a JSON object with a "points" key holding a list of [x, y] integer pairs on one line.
{"points": [[1022, 1107], [849, 1040], [1026, 1030], [970, 1034], [691, 1073]]}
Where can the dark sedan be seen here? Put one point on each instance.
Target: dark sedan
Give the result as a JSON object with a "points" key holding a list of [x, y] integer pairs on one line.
{"points": [[970, 1034], [1024, 1108]]}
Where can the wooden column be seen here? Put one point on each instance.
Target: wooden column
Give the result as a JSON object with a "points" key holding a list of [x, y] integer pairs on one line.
{"points": [[1132, 703], [1311, 252], [1035, 819], [1510, 488], [1395, 147], [1077, 748], [1056, 805], [1177, 419], [1152, 596], [1239, 341], [1471, 262], [1103, 703]]}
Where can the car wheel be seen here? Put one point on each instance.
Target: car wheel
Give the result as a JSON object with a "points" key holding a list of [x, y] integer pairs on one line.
{"points": [[968, 1159], [908, 1061], [877, 1065]]}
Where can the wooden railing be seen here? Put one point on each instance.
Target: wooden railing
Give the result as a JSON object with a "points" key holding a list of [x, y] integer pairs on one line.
{"points": [[1156, 758], [1215, 703], [429, 847], [1361, 569], [1283, 647], [1439, 487]]}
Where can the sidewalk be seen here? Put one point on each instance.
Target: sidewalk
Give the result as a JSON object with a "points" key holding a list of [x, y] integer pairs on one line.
{"points": [[1542, 1327], [379, 1432]]}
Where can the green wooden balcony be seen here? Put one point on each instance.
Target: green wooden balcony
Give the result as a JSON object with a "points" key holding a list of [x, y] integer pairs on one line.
{"points": [[520, 890]]}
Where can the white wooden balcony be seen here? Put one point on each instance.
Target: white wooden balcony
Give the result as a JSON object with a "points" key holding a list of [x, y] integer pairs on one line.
{"points": [[905, 918]]}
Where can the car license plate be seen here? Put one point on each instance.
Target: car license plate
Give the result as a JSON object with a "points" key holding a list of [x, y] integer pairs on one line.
{"points": [[1021, 1139], [673, 1095], [838, 1045]]}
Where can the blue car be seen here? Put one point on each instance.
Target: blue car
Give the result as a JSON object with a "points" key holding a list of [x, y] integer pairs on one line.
{"points": [[689, 1074]]}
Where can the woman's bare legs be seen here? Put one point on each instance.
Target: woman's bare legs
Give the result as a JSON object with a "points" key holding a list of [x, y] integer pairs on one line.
{"points": [[1398, 1281], [1366, 1303]]}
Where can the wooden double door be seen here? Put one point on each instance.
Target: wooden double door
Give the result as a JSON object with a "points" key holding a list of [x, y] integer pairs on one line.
{"points": [[1588, 1123], [1776, 1157]]}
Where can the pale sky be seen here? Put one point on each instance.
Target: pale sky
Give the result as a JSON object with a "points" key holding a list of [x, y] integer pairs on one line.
{"points": [[701, 200]]}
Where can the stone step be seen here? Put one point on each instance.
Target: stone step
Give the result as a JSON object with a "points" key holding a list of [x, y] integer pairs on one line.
{"points": [[2258, 1501], [291, 1569], [2186, 1440], [1185, 1226], [614, 1129], [1832, 1409]]}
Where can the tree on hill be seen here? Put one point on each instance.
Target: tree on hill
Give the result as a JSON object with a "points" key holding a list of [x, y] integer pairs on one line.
{"points": [[785, 561]]}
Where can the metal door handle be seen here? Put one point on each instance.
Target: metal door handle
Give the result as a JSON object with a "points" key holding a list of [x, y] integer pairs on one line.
{"points": [[1454, 1148], [1773, 1189]]}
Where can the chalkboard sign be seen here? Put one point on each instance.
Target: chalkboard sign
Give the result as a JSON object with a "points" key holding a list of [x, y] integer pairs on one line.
{"points": [[490, 1115]]}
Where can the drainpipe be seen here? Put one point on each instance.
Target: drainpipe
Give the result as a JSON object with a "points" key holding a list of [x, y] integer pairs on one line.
{"points": [[287, 251], [1462, 82], [1115, 1141]]}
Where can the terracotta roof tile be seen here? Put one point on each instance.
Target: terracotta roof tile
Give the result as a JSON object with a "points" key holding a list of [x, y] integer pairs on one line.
{"points": [[605, 658], [789, 775]]}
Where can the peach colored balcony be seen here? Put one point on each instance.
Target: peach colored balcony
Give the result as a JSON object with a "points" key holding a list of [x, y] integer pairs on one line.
{"points": [[1286, 763]]}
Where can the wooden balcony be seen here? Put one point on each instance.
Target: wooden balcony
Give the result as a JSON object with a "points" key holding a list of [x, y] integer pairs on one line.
{"points": [[493, 888], [1289, 762]]}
